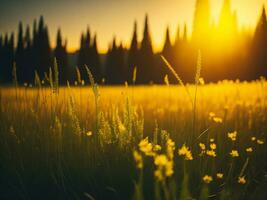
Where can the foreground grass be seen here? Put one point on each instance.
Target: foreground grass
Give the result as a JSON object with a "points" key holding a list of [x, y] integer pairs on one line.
{"points": [[78, 143]]}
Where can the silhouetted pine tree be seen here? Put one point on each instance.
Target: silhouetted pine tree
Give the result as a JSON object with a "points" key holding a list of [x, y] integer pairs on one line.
{"points": [[115, 65], [8, 55], [88, 50], [19, 56], [27, 58], [177, 49], [81, 56], [95, 64], [60, 53], [259, 48], [167, 48], [1, 59], [133, 55], [168, 53], [146, 70], [34, 49], [44, 59], [84, 54]]}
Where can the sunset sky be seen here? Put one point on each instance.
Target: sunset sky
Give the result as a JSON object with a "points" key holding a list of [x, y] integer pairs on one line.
{"points": [[114, 17]]}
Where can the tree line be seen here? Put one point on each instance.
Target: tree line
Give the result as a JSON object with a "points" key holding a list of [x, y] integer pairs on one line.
{"points": [[231, 55]]}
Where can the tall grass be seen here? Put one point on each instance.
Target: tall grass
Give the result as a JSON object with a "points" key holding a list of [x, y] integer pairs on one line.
{"points": [[72, 143]]}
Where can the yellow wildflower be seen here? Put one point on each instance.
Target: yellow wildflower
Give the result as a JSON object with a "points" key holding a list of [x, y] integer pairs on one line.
{"points": [[213, 146], [234, 153], [89, 133], [202, 146], [146, 147], [212, 140], [211, 115], [249, 150], [207, 179], [164, 167], [160, 160], [260, 141], [138, 159], [170, 147], [217, 120], [184, 151], [219, 175], [253, 139], [169, 169], [242, 180], [211, 153], [232, 135], [157, 147], [158, 174]]}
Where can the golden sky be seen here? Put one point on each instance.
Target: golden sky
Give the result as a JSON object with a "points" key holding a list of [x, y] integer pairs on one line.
{"points": [[115, 17]]}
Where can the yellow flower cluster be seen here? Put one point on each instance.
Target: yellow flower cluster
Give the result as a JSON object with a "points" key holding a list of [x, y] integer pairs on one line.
{"points": [[211, 153], [146, 147], [170, 147], [202, 148], [138, 159], [89, 133], [234, 153], [163, 162], [232, 135], [157, 147], [164, 167], [242, 180], [249, 149], [207, 179], [219, 175], [260, 141], [215, 118], [184, 151], [213, 146]]}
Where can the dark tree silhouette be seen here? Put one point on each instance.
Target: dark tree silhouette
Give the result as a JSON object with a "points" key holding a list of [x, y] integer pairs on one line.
{"points": [[81, 56], [28, 57], [19, 56], [133, 55], [146, 72], [259, 48], [9, 58], [115, 64], [1, 59], [167, 48], [60, 53], [95, 64], [235, 54], [43, 50]]}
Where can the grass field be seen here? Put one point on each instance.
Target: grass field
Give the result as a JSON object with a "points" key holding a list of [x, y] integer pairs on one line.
{"points": [[151, 142]]}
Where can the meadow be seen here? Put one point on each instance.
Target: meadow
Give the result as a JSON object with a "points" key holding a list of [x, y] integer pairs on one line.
{"points": [[203, 141]]}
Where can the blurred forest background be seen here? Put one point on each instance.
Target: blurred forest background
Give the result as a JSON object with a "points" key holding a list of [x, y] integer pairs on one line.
{"points": [[227, 52]]}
